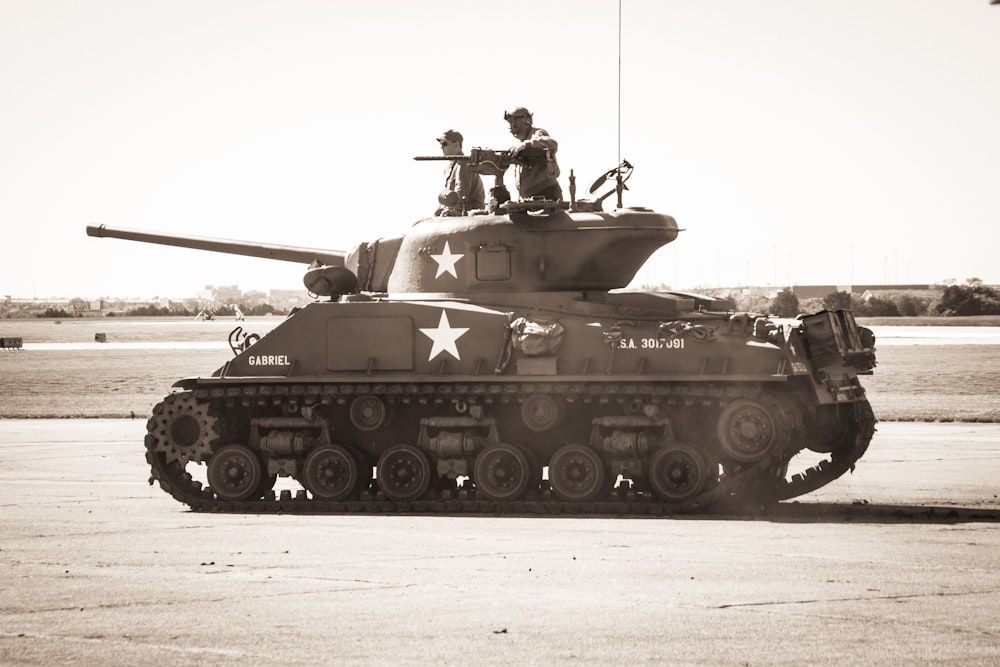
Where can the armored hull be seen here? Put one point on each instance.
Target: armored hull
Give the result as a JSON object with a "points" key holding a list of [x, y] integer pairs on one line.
{"points": [[491, 363]]}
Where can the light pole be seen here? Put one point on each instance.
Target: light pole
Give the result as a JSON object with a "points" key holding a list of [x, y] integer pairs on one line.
{"points": [[852, 269], [774, 265]]}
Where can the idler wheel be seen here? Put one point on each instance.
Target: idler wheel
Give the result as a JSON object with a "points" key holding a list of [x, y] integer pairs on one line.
{"points": [[502, 472], [748, 430], [576, 473], [331, 473], [677, 472], [234, 473], [828, 429], [368, 413], [404, 473], [540, 412]]}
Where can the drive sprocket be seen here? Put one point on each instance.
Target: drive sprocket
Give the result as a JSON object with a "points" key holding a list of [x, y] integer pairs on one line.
{"points": [[183, 429]]}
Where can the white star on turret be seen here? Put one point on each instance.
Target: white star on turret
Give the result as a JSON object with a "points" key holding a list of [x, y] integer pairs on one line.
{"points": [[444, 337], [446, 261]]}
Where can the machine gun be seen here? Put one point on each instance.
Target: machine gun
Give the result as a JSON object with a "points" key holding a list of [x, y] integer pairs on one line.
{"points": [[489, 162]]}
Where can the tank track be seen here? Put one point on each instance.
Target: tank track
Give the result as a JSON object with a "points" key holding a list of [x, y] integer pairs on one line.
{"points": [[746, 487]]}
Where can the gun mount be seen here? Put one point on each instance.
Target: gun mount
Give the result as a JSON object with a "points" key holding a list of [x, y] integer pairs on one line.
{"points": [[490, 162]]}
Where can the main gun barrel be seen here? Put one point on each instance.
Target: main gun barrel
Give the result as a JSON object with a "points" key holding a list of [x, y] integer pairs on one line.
{"points": [[283, 253]]}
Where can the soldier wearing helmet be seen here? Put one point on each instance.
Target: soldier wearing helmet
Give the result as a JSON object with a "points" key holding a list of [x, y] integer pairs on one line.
{"points": [[463, 190], [537, 179]]}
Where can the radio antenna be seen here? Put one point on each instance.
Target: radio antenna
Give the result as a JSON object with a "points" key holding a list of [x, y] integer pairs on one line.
{"points": [[619, 156]]}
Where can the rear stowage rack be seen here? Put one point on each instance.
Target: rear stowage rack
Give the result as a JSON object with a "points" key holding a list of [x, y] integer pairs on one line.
{"points": [[835, 333]]}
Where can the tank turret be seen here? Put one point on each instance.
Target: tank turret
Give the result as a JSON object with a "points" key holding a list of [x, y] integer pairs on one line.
{"points": [[529, 247], [492, 362]]}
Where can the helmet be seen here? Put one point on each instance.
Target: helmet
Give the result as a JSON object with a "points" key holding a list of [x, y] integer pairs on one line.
{"points": [[450, 135], [516, 112]]}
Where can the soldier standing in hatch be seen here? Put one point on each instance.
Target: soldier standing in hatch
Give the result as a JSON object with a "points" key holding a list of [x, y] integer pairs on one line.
{"points": [[533, 179], [463, 189]]}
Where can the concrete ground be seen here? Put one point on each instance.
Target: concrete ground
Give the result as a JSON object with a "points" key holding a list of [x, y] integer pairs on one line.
{"points": [[896, 564]]}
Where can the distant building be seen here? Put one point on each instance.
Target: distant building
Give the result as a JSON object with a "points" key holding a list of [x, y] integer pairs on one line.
{"points": [[286, 299], [224, 294], [819, 291], [84, 308], [875, 287]]}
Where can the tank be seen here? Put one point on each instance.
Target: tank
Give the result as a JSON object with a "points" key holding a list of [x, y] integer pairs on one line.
{"points": [[494, 362]]}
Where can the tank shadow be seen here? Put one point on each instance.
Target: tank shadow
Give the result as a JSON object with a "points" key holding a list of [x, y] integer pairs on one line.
{"points": [[863, 512], [782, 512]]}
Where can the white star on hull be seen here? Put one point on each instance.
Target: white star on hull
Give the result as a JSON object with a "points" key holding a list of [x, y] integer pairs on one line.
{"points": [[444, 337]]}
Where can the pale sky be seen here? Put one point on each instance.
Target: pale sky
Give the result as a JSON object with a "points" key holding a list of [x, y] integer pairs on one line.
{"points": [[795, 142]]}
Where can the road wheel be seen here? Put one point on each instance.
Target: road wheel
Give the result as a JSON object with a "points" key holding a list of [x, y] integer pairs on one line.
{"points": [[404, 473], [331, 473], [677, 472], [748, 430], [234, 473], [576, 473], [502, 472]]}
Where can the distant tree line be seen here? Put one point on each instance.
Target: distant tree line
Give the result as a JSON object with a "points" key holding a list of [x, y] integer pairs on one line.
{"points": [[972, 298], [228, 310], [174, 310], [55, 312]]}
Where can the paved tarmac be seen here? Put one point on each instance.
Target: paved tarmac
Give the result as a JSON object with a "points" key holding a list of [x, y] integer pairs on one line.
{"points": [[896, 564]]}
